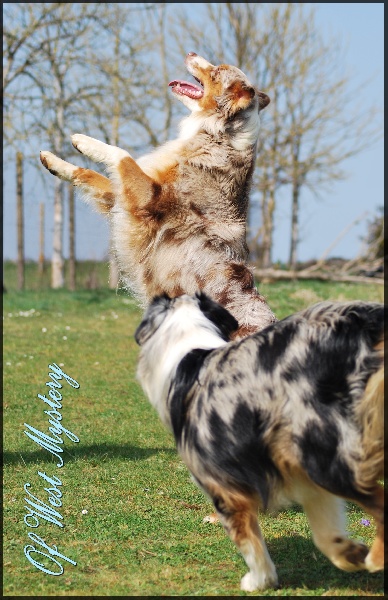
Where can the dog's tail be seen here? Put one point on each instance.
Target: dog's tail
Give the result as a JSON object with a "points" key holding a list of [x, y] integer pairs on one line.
{"points": [[371, 418]]}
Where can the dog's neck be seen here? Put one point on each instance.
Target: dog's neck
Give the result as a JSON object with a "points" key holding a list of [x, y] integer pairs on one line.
{"points": [[161, 355], [191, 125], [243, 134]]}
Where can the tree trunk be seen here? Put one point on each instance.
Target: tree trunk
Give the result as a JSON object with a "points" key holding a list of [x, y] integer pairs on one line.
{"points": [[268, 231], [114, 273], [20, 218], [72, 265], [294, 226], [57, 270], [264, 237], [57, 278], [41, 243]]}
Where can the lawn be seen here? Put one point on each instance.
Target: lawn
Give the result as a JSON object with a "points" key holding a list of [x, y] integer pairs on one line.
{"points": [[133, 520]]}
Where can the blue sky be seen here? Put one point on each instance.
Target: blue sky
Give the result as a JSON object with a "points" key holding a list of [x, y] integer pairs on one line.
{"points": [[360, 27]]}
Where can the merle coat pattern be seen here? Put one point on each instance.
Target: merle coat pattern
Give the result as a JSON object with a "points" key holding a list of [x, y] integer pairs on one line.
{"points": [[178, 215], [292, 413]]}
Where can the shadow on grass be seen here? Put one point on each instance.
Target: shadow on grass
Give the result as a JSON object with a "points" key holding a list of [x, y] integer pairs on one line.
{"points": [[101, 452], [301, 565]]}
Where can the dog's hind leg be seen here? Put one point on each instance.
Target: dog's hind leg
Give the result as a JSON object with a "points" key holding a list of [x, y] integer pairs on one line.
{"points": [[370, 412], [327, 518], [238, 515], [375, 507], [92, 185]]}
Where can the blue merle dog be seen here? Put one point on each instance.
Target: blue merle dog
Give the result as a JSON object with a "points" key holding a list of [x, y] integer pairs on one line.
{"points": [[293, 413]]}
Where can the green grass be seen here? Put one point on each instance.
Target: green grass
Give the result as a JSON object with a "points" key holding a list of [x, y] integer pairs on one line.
{"points": [[143, 532], [89, 275]]}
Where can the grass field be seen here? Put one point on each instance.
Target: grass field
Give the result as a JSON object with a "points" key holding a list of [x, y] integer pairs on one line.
{"points": [[133, 518]]}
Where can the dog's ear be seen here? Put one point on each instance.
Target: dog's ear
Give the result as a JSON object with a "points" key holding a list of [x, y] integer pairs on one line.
{"points": [[242, 95], [264, 100], [218, 315], [153, 318]]}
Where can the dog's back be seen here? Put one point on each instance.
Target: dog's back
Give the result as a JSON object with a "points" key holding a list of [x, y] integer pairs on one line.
{"points": [[306, 392]]}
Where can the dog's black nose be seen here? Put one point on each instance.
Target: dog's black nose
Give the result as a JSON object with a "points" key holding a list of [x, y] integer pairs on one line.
{"points": [[192, 54]]}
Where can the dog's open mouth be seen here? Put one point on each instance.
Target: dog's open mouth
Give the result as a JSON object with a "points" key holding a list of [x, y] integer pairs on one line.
{"points": [[184, 88]]}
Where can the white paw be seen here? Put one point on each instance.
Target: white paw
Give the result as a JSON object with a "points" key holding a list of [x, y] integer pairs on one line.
{"points": [[249, 583], [258, 581], [210, 519], [57, 166], [371, 566], [98, 151]]}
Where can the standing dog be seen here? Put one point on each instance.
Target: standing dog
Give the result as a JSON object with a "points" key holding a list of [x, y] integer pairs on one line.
{"points": [[178, 215], [292, 413]]}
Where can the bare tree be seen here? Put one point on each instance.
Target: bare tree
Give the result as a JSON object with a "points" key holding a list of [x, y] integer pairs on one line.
{"points": [[81, 66], [324, 124], [22, 47], [86, 67], [271, 141], [132, 105], [43, 53]]}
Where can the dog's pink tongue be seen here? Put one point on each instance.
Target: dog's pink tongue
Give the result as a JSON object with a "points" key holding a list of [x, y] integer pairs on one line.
{"points": [[186, 89]]}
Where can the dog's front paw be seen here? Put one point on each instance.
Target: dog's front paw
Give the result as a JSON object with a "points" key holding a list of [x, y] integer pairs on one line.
{"points": [[259, 581], [372, 566], [57, 166], [83, 143], [213, 518], [249, 582], [98, 151], [375, 561], [351, 557]]}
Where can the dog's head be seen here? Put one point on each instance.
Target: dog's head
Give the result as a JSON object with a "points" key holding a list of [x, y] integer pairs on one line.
{"points": [[185, 313], [222, 88]]}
